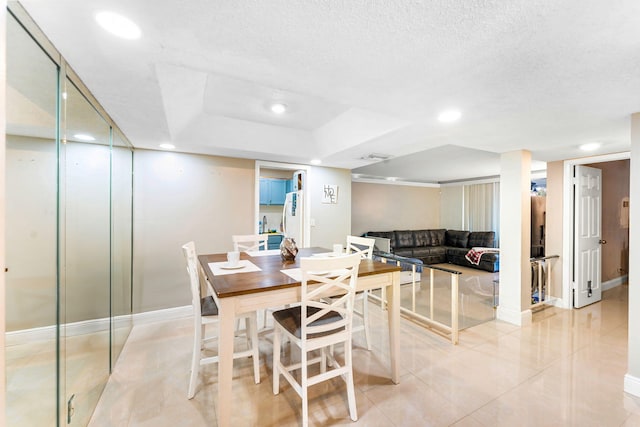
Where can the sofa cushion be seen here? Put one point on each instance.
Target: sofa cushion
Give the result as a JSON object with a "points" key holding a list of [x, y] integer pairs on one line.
{"points": [[429, 237], [423, 252], [482, 239], [405, 252], [457, 252], [404, 239], [457, 238], [385, 234]]}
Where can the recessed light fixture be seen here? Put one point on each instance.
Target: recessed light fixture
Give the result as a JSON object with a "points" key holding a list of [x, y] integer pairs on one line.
{"points": [[278, 108], [84, 137], [392, 178], [118, 25], [316, 161], [449, 116], [167, 146], [591, 146]]}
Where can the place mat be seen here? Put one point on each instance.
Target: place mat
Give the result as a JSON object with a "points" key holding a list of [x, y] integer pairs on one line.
{"points": [[296, 273], [246, 266], [263, 253]]}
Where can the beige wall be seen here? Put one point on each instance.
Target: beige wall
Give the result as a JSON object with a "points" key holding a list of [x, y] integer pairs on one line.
{"points": [[553, 236], [3, 115], [380, 207], [178, 198], [182, 197], [451, 207], [632, 378], [332, 221], [615, 218]]}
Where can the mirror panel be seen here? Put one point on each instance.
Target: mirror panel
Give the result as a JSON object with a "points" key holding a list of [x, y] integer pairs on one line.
{"points": [[121, 238], [31, 231], [85, 252]]}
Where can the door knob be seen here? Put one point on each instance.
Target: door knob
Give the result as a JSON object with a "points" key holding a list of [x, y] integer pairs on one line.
{"points": [[602, 242]]}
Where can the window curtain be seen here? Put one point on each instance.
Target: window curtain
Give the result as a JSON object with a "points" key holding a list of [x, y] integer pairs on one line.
{"points": [[482, 208]]}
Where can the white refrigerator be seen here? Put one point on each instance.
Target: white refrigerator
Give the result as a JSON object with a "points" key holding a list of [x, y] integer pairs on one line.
{"points": [[293, 217]]}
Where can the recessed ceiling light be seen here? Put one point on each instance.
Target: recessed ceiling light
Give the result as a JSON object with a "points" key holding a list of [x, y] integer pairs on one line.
{"points": [[278, 108], [449, 116], [316, 161], [167, 146], [590, 146], [392, 178], [84, 137], [118, 25]]}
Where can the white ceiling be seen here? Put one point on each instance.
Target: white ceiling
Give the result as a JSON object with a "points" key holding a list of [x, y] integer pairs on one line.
{"points": [[362, 77]]}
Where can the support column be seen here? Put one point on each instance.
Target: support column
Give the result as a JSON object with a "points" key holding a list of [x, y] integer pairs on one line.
{"points": [[632, 378], [515, 238]]}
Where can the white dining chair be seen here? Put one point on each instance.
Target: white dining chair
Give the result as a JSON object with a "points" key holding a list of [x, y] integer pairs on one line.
{"points": [[205, 312], [364, 247], [319, 323], [249, 242]]}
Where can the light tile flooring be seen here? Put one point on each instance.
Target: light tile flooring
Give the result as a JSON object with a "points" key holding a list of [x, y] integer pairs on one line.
{"points": [[566, 369]]}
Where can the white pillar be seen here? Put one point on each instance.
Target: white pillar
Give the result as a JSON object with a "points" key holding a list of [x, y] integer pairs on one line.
{"points": [[515, 237], [632, 378]]}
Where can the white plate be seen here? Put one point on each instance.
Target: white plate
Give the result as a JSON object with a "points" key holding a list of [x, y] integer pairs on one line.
{"points": [[319, 273], [231, 267]]}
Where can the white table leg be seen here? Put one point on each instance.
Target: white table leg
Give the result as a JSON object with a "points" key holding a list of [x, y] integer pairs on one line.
{"points": [[225, 363], [393, 312]]}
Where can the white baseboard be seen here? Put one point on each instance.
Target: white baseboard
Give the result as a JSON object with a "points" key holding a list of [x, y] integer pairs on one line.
{"points": [[92, 326], [24, 336], [514, 317], [162, 315], [632, 385], [610, 284]]}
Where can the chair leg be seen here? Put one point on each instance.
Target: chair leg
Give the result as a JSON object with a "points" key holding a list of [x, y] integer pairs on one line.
{"points": [[304, 386], [276, 360], [252, 329], [351, 395], [365, 318], [195, 360]]}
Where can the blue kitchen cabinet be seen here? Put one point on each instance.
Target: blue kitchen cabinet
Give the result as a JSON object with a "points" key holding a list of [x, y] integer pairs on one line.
{"points": [[265, 193], [274, 241], [272, 191]]}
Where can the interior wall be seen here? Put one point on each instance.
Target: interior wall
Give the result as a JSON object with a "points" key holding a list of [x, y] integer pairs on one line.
{"points": [[615, 218], [382, 207], [451, 207], [554, 232], [632, 378], [330, 222], [182, 197], [3, 123]]}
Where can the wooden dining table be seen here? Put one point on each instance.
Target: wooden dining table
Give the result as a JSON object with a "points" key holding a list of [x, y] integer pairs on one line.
{"points": [[243, 292]]}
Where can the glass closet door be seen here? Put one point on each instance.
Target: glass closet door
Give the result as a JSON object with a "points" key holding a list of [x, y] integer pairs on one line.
{"points": [[85, 255], [121, 246], [31, 224]]}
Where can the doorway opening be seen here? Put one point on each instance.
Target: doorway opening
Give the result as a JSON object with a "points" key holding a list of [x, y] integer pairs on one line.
{"points": [[615, 223], [272, 212]]}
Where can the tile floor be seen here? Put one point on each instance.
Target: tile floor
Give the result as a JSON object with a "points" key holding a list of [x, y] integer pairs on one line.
{"points": [[566, 369]]}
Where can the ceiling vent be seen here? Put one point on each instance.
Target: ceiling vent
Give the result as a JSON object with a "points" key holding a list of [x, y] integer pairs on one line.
{"points": [[376, 156]]}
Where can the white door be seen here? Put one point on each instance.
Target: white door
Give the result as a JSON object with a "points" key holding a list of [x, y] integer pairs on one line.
{"points": [[587, 233]]}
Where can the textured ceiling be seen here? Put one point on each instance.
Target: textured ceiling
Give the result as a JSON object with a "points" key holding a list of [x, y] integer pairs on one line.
{"points": [[362, 77]]}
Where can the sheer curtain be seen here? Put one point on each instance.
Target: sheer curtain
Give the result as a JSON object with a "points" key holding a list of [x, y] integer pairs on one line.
{"points": [[482, 208]]}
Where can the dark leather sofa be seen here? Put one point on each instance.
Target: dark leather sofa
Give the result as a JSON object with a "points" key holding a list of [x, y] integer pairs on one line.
{"points": [[442, 246]]}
